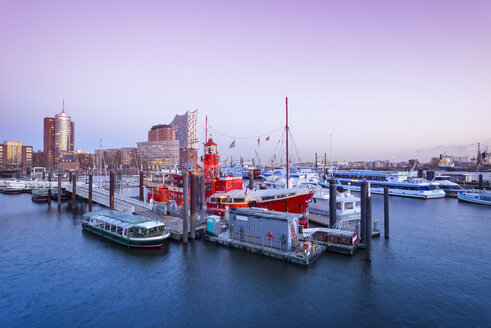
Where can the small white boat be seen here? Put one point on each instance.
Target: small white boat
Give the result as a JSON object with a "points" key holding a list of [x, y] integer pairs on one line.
{"points": [[126, 229], [476, 197]]}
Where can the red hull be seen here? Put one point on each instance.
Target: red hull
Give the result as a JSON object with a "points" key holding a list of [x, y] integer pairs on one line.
{"points": [[295, 204]]}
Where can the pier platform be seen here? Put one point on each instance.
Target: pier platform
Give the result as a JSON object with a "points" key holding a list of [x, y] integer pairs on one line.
{"points": [[101, 196], [285, 256]]}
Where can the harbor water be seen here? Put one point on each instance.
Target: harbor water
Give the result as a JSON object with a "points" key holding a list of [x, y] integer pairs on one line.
{"points": [[434, 271]]}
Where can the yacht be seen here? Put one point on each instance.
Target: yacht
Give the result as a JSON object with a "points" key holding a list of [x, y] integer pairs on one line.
{"points": [[403, 184]]}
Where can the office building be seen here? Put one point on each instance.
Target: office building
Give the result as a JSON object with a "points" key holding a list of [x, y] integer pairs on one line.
{"points": [[14, 155], [154, 155], [59, 139]]}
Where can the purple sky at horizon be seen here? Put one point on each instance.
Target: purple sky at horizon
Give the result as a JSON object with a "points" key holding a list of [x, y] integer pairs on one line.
{"points": [[388, 79]]}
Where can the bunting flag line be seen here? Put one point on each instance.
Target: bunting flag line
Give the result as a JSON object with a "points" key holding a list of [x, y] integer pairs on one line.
{"points": [[232, 145], [267, 138], [258, 142]]}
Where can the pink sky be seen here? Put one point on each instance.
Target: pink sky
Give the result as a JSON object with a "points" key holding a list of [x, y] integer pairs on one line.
{"points": [[386, 78]]}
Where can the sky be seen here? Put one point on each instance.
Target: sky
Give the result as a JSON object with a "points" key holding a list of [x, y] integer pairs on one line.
{"points": [[389, 79]]}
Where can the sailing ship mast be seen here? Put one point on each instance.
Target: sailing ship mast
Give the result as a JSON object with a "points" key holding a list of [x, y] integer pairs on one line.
{"points": [[287, 132]]}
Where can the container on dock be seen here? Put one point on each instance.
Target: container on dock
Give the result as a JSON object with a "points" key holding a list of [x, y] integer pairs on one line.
{"points": [[213, 224], [265, 228], [335, 236]]}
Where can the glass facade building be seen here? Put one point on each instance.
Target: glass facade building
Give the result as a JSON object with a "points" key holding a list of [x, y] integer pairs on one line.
{"points": [[154, 155]]}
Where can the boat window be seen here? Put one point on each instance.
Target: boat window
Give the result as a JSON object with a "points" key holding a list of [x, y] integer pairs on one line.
{"points": [[119, 231], [358, 203], [338, 205], [106, 226], [238, 200], [348, 205], [113, 228]]}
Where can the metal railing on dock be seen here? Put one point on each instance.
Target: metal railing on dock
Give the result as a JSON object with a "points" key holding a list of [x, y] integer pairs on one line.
{"points": [[242, 236]]}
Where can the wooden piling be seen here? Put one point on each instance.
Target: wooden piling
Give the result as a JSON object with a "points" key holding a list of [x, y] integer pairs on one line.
{"points": [[480, 182], [363, 199], [251, 179], [90, 192], [194, 193], [141, 186], [332, 203], [368, 226], [386, 213], [74, 191], [202, 191], [185, 206], [49, 190], [111, 190], [59, 190]]}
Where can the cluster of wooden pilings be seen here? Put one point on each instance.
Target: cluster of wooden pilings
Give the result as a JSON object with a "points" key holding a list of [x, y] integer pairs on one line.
{"points": [[191, 204], [365, 233], [72, 178]]}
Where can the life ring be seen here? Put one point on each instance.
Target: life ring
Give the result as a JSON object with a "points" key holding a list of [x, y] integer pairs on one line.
{"points": [[269, 235]]}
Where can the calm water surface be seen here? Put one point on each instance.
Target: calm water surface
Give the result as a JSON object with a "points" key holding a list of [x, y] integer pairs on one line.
{"points": [[433, 272]]}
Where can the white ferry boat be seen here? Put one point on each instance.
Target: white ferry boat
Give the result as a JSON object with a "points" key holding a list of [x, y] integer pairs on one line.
{"points": [[451, 188], [126, 229], [399, 183], [476, 197]]}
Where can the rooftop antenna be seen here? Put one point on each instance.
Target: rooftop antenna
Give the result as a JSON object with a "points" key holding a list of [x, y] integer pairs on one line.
{"points": [[63, 106], [206, 129]]}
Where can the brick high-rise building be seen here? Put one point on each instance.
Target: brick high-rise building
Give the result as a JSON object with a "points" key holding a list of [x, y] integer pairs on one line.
{"points": [[27, 157], [161, 132], [49, 142], [38, 159]]}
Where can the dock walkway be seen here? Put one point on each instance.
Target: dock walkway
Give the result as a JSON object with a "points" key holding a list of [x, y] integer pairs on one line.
{"points": [[101, 196]]}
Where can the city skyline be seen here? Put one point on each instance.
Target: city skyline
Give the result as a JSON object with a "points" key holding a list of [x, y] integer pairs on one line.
{"points": [[389, 80]]}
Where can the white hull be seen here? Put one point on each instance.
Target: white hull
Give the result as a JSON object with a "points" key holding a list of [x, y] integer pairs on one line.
{"points": [[473, 199], [431, 194]]}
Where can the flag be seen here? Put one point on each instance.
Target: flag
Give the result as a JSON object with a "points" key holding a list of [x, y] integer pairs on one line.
{"points": [[232, 145], [267, 138], [258, 141]]}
